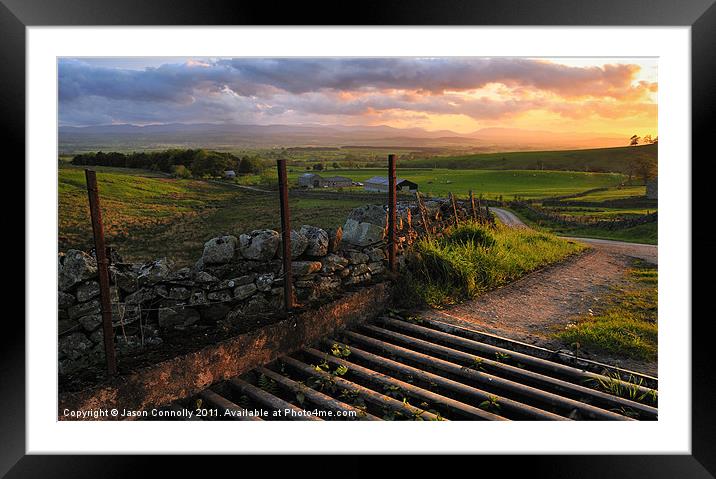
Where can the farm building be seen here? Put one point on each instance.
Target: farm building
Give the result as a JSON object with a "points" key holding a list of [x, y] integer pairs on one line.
{"points": [[309, 180], [229, 174], [312, 180], [336, 182], [652, 191], [380, 184]]}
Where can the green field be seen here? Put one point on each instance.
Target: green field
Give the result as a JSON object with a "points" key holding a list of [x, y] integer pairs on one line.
{"points": [[150, 217], [600, 213], [490, 184], [599, 159], [614, 194], [644, 233]]}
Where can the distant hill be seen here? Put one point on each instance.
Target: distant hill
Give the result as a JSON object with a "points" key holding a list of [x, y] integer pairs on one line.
{"points": [[123, 137], [618, 160]]}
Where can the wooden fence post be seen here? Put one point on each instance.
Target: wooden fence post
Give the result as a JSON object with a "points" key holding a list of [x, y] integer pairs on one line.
{"points": [[454, 209], [102, 271], [285, 235], [423, 214], [472, 206], [392, 205]]}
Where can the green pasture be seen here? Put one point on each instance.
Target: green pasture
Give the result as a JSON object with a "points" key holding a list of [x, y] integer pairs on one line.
{"points": [[490, 184]]}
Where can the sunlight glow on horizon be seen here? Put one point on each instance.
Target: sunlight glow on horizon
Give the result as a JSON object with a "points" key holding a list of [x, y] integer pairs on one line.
{"points": [[597, 96]]}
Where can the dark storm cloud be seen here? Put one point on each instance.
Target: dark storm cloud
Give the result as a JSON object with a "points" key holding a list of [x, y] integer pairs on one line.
{"points": [[434, 75], [245, 89]]}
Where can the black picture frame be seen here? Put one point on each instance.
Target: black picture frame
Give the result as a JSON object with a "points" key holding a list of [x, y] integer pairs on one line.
{"points": [[700, 15]]}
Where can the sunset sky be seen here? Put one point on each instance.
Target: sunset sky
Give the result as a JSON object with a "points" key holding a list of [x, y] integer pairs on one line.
{"points": [[604, 96]]}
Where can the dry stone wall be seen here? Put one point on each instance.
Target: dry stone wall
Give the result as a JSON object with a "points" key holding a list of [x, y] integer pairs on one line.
{"points": [[235, 285]]}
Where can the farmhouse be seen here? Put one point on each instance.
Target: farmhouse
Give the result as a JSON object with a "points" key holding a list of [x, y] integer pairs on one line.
{"points": [[380, 184], [312, 180], [229, 174], [652, 188], [336, 182]]}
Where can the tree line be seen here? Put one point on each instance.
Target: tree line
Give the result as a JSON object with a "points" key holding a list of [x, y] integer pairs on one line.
{"points": [[184, 163]]}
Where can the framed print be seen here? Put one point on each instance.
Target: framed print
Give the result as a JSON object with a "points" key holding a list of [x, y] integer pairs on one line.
{"points": [[448, 229]]}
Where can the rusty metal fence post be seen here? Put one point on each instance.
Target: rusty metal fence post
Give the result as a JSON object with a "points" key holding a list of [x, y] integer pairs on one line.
{"points": [[285, 235], [102, 271], [392, 244]]}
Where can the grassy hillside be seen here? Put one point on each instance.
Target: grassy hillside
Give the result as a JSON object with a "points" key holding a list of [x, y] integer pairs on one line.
{"points": [[600, 159], [149, 217], [491, 184]]}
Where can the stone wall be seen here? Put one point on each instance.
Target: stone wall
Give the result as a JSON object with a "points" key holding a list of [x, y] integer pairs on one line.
{"points": [[236, 284], [570, 221], [652, 188]]}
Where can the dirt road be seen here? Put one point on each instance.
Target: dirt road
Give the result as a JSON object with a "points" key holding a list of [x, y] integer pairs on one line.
{"points": [[647, 252], [508, 218], [533, 308]]}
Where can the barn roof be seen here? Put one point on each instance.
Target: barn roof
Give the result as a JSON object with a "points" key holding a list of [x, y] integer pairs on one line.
{"points": [[383, 180]]}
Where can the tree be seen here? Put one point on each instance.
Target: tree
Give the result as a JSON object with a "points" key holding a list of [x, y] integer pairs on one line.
{"points": [[211, 163], [336, 165], [181, 171], [634, 140], [318, 167], [250, 166], [646, 168]]}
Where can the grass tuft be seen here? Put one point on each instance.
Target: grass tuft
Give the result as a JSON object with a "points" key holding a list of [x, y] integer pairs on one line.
{"points": [[627, 325], [471, 259]]}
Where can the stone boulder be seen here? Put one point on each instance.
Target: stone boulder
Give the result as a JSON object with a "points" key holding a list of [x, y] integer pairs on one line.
{"points": [[154, 272], [65, 300], [91, 322], [317, 240], [375, 254], [335, 236], [259, 245], [264, 282], [75, 266], [365, 225], [74, 345], [215, 312], [223, 296], [243, 292], [299, 243], [140, 296], [219, 250], [356, 257], [302, 268], [376, 267], [332, 263], [87, 291], [84, 309], [179, 293], [202, 277], [177, 317], [126, 280]]}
